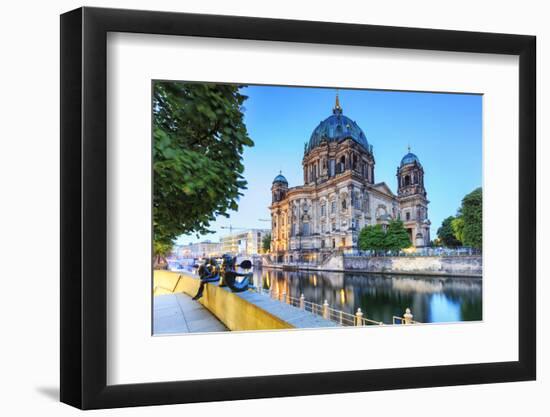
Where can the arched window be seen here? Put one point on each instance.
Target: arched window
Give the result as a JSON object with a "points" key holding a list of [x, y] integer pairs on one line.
{"points": [[342, 163], [407, 180]]}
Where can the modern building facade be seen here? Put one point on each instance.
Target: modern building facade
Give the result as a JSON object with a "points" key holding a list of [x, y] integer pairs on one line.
{"points": [[340, 195], [199, 250], [246, 243]]}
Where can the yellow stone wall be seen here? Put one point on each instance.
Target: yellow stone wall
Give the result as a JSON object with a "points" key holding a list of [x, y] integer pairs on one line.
{"points": [[233, 311]]}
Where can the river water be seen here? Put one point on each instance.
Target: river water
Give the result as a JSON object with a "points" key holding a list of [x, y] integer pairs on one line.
{"points": [[433, 299]]}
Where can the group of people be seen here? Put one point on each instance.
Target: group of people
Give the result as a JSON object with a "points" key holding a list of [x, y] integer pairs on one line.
{"points": [[226, 273]]}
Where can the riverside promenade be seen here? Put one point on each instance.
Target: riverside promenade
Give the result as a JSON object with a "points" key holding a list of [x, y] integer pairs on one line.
{"points": [[179, 313], [249, 310]]}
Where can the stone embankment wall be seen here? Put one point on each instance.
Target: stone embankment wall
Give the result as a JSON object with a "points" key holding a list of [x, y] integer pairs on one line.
{"points": [[431, 265], [420, 265]]}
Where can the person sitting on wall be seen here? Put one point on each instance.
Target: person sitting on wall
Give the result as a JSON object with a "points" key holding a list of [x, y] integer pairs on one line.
{"points": [[229, 274], [208, 272]]}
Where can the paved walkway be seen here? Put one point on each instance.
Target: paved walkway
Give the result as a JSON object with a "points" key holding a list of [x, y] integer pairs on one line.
{"points": [[179, 313]]}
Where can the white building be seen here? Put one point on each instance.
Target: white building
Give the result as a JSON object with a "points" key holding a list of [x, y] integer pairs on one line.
{"points": [[199, 250], [246, 242]]}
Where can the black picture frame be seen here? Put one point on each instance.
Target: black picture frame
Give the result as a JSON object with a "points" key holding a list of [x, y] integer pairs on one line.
{"points": [[84, 207]]}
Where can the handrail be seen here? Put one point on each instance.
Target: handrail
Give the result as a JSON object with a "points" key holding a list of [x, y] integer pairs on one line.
{"points": [[404, 320], [337, 316]]}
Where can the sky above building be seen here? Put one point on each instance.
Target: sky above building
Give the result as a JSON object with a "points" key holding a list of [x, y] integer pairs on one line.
{"points": [[443, 130]]}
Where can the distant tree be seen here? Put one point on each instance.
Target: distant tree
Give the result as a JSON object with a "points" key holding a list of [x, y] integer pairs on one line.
{"points": [[199, 137], [458, 228], [266, 243], [397, 237], [372, 238], [446, 234], [472, 215], [161, 251]]}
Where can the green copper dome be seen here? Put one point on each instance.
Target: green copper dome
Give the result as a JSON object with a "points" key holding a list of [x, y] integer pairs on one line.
{"points": [[281, 179], [410, 158], [336, 128]]}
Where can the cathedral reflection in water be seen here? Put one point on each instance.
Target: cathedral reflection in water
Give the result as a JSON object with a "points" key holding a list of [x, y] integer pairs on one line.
{"points": [[431, 299]]}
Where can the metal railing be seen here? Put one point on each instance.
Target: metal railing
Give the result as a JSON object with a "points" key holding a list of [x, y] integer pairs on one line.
{"points": [[336, 316], [430, 251], [406, 319]]}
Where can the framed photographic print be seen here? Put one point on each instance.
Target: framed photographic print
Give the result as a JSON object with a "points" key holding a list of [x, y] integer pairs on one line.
{"points": [[257, 208]]}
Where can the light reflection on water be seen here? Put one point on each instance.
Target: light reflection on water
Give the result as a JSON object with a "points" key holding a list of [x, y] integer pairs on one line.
{"points": [[431, 299]]}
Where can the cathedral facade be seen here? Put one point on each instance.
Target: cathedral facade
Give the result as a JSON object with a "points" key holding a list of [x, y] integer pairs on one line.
{"points": [[340, 196]]}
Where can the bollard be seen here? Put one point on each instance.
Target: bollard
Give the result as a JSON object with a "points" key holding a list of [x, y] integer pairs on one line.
{"points": [[302, 302], [359, 317], [325, 310], [408, 316]]}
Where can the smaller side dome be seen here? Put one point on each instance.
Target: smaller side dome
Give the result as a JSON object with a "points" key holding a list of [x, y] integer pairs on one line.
{"points": [[280, 179], [410, 158]]}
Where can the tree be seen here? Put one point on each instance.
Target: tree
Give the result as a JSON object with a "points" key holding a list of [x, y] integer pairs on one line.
{"points": [[161, 251], [397, 237], [266, 242], [376, 239], [446, 233], [472, 215], [458, 228], [199, 138], [372, 238]]}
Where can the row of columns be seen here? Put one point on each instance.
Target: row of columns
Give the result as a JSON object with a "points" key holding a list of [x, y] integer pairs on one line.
{"points": [[313, 170]]}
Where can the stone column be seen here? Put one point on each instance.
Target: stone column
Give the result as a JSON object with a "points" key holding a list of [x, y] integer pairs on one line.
{"points": [[337, 217]]}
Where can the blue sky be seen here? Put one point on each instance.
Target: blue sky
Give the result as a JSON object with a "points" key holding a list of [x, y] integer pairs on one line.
{"points": [[443, 130]]}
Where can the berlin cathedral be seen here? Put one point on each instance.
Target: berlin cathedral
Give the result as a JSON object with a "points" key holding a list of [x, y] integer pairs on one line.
{"points": [[340, 195]]}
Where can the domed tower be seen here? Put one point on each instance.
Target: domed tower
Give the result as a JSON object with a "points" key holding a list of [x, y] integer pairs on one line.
{"points": [[410, 176], [336, 146], [279, 188], [279, 214], [413, 201]]}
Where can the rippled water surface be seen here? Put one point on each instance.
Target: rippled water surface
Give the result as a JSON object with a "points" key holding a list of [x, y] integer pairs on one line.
{"points": [[431, 299]]}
